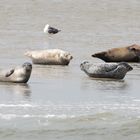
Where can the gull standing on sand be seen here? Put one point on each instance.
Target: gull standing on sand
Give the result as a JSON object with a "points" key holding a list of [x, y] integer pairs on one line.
{"points": [[49, 31]]}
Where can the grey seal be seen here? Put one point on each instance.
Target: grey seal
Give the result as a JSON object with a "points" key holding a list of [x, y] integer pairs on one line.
{"points": [[106, 70], [121, 54], [20, 74], [50, 57]]}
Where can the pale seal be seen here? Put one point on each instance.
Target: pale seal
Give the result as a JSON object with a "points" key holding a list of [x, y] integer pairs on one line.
{"points": [[106, 70], [50, 30], [20, 74], [122, 54], [50, 57]]}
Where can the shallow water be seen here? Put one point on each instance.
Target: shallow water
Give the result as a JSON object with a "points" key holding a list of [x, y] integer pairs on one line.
{"points": [[61, 102]]}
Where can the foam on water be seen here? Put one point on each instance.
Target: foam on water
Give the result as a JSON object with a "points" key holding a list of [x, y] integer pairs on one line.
{"points": [[63, 111], [79, 108]]}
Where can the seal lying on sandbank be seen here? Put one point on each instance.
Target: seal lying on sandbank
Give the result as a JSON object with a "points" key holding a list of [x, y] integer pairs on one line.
{"points": [[19, 74], [125, 54], [49, 57], [106, 70]]}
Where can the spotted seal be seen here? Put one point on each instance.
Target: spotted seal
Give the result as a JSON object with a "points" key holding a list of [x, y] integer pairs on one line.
{"points": [[106, 70]]}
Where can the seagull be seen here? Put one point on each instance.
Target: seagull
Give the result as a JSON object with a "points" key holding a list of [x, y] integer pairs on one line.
{"points": [[50, 30]]}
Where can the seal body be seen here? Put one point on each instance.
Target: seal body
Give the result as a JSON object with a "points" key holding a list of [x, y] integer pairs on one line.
{"points": [[106, 70], [19, 74], [50, 57], [125, 54]]}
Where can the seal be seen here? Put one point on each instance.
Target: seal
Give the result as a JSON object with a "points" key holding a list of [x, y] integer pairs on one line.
{"points": [[20, 74], [50, 57], [106, 70], [122, 54]]}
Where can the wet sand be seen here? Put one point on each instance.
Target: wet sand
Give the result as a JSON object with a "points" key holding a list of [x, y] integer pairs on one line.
{"points": [[61, 102]]}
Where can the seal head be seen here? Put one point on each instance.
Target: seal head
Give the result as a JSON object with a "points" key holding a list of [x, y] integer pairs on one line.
{"points": [[27, 68]]}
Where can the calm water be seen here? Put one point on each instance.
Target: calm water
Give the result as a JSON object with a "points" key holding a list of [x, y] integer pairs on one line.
{"points": [[62, 103]]}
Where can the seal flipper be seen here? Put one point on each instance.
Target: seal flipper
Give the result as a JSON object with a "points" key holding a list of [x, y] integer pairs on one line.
{"points": [[9, 73]]}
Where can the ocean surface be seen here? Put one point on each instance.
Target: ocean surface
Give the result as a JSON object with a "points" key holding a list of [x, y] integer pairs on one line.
{"points": [[62, 102]]}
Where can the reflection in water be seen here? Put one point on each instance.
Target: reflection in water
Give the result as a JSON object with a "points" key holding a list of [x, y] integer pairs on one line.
{"points": [[16, 88], [49, 71], [135, 65], [109, 24], [103, 84]]}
